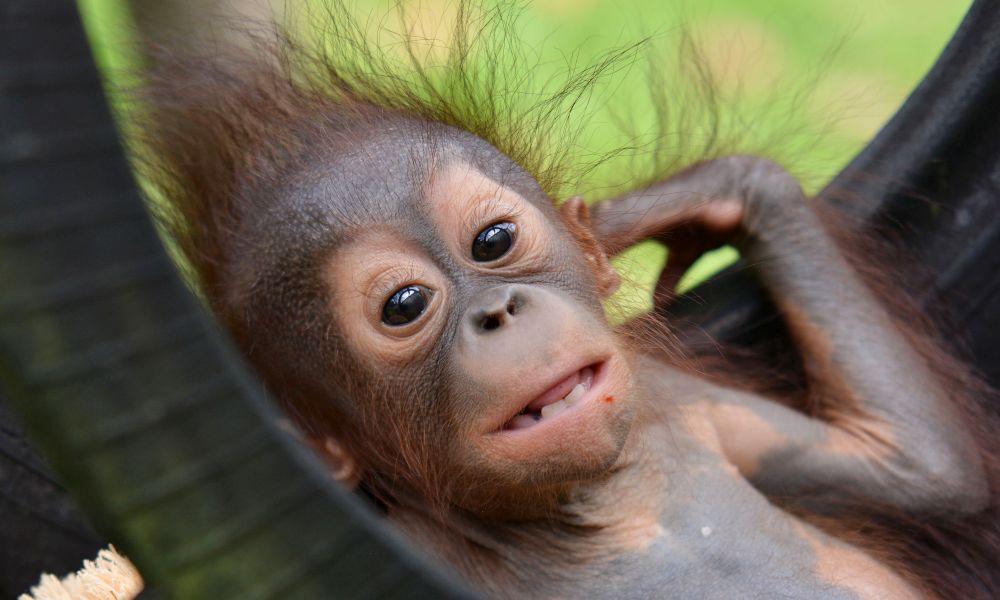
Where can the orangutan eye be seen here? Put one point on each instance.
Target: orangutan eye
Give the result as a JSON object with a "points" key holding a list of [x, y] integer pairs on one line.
{"points": [[405, 305], [493, 242]]}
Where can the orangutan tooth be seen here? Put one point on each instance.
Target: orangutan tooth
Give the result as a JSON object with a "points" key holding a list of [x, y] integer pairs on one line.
{"points": [[553, 409], [575, 394]]}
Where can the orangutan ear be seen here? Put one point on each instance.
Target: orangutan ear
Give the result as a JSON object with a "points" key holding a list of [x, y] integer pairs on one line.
{"points": [[339, 461], [576, 216]]}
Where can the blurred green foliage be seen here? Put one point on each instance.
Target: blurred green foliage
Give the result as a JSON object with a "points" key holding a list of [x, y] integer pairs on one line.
{"points": [[811, 81]]}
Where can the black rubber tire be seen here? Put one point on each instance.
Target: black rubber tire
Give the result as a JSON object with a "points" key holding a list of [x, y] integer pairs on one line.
{"points": [[41, 527]]}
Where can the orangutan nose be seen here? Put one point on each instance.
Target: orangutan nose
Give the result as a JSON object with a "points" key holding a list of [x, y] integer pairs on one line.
{"points": [[496, 308]]}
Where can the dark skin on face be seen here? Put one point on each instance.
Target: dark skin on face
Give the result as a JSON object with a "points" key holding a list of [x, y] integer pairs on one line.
{"points": [[568, 461], [490, 329]]}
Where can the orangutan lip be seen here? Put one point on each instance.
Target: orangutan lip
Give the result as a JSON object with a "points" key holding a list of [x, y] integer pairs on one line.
{"points": [[563, 395]]}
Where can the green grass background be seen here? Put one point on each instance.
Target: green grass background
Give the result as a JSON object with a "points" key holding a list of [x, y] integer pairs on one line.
{"points": [[857, 59]]}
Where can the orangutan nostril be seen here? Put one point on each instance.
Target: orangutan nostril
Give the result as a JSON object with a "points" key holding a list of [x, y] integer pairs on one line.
{"points": [[490, 323]]}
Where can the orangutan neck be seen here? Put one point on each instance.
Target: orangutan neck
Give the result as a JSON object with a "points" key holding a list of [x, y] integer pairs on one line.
{"points": [[594, 522]]}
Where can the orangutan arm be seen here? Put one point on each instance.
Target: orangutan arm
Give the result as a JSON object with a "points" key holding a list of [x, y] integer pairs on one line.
{"points": [[888, 432]]}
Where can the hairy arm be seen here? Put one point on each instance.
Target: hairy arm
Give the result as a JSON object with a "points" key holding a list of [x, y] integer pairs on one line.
{"points": [[890, 433]]}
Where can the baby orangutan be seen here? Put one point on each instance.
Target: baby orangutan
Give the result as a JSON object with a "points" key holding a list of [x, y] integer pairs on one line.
{"points": [[434, 325]]}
